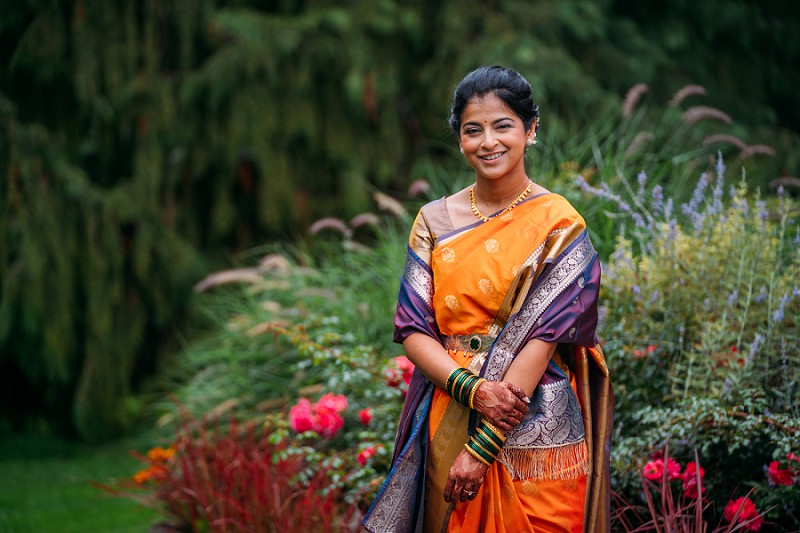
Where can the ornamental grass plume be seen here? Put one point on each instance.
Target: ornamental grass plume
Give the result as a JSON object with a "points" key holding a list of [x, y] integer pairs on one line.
{"points": [[632, 98], [703, 112], [685, 92]]}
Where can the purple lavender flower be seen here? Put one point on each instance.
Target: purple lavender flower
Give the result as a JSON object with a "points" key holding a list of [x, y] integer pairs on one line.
{"points": [[732, 297], [642, 179], [754, 346], [692, 208], [668, 209], [762, 295], [762, 213], [654, 296], [796, 240], [796, 292], [707, 305], [778, 315], [720, 166], [637, 290], [657, 205], [672, 233]]}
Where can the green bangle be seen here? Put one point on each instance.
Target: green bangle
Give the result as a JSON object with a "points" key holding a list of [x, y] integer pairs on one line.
{"points": [[487, 456], [466, 388], [486, 444], [490, 436], [477, 456], [452, 377], [459, 385]]}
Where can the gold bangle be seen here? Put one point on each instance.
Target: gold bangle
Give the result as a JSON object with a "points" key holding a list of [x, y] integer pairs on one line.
{"points": [[477, 456], [472, 393], [493, 429]]}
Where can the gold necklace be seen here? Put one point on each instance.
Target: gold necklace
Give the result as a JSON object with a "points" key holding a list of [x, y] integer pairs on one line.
{"points": [[474, 205]]}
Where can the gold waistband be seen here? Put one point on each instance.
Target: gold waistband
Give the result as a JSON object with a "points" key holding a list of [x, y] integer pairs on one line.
{"points": [[473, 344]]}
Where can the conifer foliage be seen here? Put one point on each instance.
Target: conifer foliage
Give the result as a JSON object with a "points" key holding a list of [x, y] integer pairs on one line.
{"points": [[138, 139]]}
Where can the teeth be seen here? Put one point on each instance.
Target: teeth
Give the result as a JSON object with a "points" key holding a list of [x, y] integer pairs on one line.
{"points": [[491, 157]]}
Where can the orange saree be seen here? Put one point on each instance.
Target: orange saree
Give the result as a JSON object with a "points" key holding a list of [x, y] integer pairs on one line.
{"points": [[484, 291]]}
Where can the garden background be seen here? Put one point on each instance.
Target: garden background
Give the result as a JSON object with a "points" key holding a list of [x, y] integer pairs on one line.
{"points": [[203, 217]]}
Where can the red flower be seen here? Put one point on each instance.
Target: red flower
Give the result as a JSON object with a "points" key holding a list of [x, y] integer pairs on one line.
{"points": [[673, 469], [365, 415], [364, 455], [792, 457], [654, 469], [399, 368], [300, 416], [327, 422], [689, 476], [747, 513], [778, 475]]}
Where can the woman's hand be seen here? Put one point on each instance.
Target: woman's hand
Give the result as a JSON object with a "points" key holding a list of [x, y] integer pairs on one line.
{"points": [[501, 403], [464, 479]]}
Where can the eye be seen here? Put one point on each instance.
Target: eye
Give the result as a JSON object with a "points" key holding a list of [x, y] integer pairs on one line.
{"points": [[471, 131], [503, 126]]}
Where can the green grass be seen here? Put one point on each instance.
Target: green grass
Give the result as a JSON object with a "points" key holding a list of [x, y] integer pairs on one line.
{"points": [[45, 486]]}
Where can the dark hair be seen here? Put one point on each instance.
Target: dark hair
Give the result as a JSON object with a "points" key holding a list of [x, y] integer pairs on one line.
{"points": [[505, 83]]}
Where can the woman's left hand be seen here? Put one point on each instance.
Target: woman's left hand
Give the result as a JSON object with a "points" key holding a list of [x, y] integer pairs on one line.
{"points": [[464, 479]]}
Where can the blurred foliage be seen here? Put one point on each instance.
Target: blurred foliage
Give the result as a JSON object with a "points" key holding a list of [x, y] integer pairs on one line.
{"points": [[700, 309], [142, 139]]}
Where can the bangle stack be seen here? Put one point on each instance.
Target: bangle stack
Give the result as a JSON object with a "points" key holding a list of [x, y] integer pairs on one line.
{"points": [[486, 443], [461, 385]]}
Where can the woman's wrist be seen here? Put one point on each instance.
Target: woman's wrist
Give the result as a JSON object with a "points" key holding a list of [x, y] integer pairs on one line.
{"points": [[485, 443], [461, 385]]}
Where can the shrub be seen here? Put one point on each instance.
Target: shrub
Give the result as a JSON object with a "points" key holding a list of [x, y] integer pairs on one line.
{"points": [[701, 326]]}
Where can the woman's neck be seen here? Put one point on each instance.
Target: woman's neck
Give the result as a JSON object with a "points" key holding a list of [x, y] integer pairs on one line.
{"points": [[494, 195]]}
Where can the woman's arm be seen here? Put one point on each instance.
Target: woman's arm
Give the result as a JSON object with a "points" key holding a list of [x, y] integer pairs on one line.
{"points": [[528, 367], [467, 473], [503, 404]]}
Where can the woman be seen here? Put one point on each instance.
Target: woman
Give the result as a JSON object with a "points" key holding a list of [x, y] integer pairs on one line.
{"points": [[506, 422]]}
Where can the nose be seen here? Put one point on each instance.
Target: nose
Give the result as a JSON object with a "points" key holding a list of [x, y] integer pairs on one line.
{"points": [[489, 140]]}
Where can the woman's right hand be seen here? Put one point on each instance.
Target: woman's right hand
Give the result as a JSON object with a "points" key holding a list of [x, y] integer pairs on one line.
{"points": [[501, 403]]}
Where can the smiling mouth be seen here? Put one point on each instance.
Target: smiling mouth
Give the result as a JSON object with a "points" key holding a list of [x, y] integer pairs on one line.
{"points": [[491, 157]]}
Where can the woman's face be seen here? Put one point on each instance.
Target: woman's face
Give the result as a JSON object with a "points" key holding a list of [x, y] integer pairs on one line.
{"points": [[493, 138]]}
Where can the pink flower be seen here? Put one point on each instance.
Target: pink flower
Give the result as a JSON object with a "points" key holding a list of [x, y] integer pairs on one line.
{"points": [[322, 417], [792, 457], [365, 415], [333, 402], [399, 368], [689, 476], [778, 475], [747, 513], [300, 416], [364, 455], [654, 469]]}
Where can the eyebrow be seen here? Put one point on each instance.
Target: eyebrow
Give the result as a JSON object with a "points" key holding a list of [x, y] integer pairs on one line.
{"points": [[473, 123]]}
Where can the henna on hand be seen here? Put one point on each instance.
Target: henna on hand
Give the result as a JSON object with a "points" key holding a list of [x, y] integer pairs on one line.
{"points": [[502, 404], [465, 476]]}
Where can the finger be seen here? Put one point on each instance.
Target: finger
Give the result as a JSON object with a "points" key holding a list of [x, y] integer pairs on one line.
{"points": [[519, 393], [448, 489]]}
